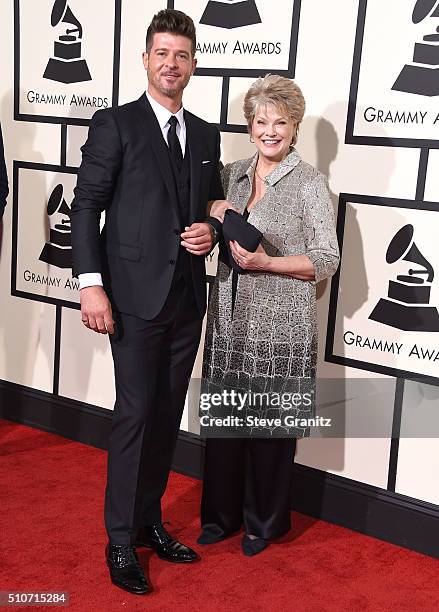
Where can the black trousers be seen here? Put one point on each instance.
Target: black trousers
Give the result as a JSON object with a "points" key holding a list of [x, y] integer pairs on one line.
{"points": [[153, 361], [247, 480]]}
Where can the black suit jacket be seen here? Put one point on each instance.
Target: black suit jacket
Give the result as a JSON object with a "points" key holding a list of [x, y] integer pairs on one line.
{"points": [[4, 186], [126, 172]]}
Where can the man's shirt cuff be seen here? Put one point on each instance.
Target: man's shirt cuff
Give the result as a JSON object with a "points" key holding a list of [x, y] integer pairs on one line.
{"points": [[89, 279]]}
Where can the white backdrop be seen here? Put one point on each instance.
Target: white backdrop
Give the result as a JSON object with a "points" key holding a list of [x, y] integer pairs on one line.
{"points": [[316, 45]]}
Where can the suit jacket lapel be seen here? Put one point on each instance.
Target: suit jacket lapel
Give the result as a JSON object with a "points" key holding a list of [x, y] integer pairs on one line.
{"points": [[194, 142], [159, 148]]}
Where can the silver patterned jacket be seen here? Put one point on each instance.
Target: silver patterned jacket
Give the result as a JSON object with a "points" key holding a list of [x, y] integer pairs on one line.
{"points": [[271, 339]]}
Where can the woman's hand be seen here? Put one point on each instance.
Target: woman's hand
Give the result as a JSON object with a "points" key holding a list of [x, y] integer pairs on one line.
{"points": [[258, 261], [219, 207]]}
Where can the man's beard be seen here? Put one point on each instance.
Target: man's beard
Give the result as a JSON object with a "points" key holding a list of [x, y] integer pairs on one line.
{"points": [[169, 91]]}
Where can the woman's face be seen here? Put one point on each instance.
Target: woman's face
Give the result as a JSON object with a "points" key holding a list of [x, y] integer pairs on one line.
{"points": [[272, 132]]}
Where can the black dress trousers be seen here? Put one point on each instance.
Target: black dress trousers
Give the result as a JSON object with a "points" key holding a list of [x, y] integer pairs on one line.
{"points": [[247, 481], [153, 361]]}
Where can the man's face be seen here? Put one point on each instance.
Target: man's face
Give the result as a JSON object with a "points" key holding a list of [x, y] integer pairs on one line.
{"points": [[169, 64]]}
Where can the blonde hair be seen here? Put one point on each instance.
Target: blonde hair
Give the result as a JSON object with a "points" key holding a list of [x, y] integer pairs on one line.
{"points": [[279, 92]]}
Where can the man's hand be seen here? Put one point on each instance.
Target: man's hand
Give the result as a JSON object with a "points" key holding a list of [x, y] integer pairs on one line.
{"points": [[96, 310], [218, 208], [197, 239], [258, 261]]}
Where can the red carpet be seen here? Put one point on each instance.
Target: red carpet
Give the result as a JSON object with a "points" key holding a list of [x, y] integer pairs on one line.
{"points": [[52, 539]]}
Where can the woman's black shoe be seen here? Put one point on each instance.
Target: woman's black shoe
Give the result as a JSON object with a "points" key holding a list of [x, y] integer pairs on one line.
{"points": [[251, 547], [211, 534]]}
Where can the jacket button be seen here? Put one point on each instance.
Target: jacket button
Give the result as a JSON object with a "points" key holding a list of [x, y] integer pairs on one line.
{"points": [[172, 262]]}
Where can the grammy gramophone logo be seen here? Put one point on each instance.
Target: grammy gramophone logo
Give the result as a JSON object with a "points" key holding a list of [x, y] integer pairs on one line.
{"points": [[58, 251], [66, 65], [230, 13], [422, 75], [407, 305]]}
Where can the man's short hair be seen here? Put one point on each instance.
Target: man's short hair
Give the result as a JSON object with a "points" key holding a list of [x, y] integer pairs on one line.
{"points": [[172, 22]]}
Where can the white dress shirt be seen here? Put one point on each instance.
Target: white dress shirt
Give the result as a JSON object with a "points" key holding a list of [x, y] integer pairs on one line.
{"points": [[162, 114]]}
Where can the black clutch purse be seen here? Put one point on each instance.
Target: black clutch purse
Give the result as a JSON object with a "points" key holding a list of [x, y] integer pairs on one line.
{"points": [[236, 227]]}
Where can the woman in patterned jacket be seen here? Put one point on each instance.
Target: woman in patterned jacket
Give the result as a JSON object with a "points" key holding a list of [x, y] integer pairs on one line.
{"points": [[262, 325]]}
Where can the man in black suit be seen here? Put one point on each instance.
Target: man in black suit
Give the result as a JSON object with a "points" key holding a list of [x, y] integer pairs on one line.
{"points": [[4, 186], [152, 167]]}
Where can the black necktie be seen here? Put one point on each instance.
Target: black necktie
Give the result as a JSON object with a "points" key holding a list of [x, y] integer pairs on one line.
{"points": [[174, 143]]}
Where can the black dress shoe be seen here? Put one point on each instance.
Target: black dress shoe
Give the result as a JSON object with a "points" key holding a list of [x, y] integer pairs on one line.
{"points": [[251, 547], [166, 547], [125, 569]]}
